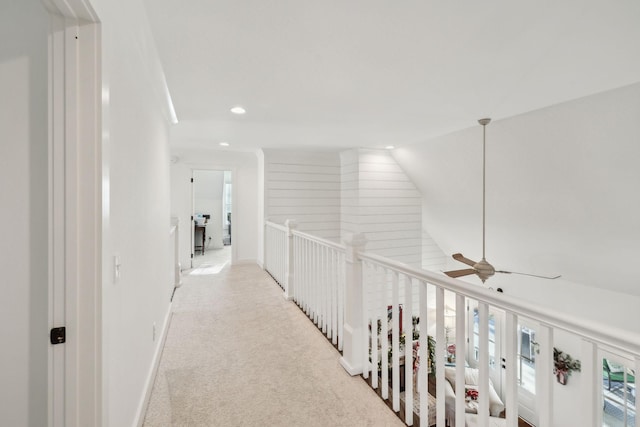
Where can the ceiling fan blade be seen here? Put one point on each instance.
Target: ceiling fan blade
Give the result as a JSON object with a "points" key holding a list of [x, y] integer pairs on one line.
{"points": [[461, 258], [527, 274], [460, 273]]}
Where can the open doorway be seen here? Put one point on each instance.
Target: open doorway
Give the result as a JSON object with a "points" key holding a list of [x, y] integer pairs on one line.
{"points": [[211, 230]]}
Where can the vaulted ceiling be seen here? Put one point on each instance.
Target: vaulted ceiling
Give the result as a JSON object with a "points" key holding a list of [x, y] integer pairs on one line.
{"points": [[332, 74]]}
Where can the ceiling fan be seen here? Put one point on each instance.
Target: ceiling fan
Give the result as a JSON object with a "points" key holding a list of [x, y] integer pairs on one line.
{"points": [[483, 269]]}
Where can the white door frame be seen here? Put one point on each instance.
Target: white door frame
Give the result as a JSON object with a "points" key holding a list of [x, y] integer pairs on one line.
{"points": [[234, 202], [74, 214]]}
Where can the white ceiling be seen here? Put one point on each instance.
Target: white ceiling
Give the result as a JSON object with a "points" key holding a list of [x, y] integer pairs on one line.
{"points": [[370, 73]]}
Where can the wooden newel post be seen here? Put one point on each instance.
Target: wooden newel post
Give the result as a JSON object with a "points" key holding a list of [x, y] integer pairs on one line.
{"points": [[289, 290], [351, 359]]}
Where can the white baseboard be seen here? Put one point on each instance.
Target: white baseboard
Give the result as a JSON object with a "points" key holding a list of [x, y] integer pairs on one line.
{"points": [[142, 408]]}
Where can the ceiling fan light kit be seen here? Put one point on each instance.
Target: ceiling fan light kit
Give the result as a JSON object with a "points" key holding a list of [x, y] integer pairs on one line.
{"points": [[483, 269]]}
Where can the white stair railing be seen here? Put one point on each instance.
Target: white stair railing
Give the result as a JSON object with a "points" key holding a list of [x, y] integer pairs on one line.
{"points": [[388, 283], [276, 253], [319, 267], [348, 293]]}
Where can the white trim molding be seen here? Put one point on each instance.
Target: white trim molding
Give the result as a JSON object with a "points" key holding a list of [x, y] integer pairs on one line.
{"points": [[146, 397], [75, 191]]}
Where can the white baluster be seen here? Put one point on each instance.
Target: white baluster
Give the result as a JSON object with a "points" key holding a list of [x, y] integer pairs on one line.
{"points": [[276, 254], [276, 249], [544, 376], [301, 271], [307, 263], [289, 277], [325, 292], [591, 384], [408, 351], [483, 364], [321, 318], [322, 321], [311, 272], [336, 297], [267, 249], [511, 371], [297, 269], [440, 355], [318, 257], [320, 286], [384, 332], [281, 253], [279, 258], [341, 287], [423, 387], [460, 365], [395, 340], [332, 299], [330, 294], [309, 279], [371, 293], [314, 275], [302, 276], [368, 342]]}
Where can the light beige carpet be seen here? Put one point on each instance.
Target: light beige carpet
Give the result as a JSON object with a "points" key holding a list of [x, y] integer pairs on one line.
{"points": [[238, 354]]}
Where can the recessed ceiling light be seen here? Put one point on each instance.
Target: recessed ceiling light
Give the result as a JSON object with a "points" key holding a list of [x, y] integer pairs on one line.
{"points": [[224, 144], [238, 110], [389, 147]]}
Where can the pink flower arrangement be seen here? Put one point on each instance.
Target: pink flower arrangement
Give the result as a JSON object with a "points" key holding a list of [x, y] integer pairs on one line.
{"points": [[451, 349]]}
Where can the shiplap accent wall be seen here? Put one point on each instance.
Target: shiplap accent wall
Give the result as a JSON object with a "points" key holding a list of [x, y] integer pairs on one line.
{"points": [[379, 200], [304, 186], [433, 258]]}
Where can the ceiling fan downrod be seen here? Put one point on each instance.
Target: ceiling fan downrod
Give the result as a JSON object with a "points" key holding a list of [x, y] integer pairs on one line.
{"points": [[483, 269], [484, 123]]}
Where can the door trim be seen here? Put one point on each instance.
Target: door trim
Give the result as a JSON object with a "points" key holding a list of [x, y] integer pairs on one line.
{"points": [[74, 213], [234, 201]]}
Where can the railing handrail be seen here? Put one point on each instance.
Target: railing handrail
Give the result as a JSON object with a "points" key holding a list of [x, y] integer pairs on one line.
{"points": [[276, 226], [320, 240], [613, 337]]}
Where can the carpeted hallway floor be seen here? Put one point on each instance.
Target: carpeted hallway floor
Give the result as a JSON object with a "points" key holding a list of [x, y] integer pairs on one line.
{"points": [[238, 354]]}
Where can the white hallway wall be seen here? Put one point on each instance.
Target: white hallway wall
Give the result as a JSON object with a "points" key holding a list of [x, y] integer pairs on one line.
{"points": [[245, 191], [136, 208], [23, 213]]}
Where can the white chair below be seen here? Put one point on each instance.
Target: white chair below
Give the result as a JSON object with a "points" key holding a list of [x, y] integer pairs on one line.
{"points": [[471, 378]]}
